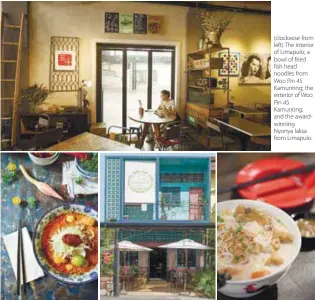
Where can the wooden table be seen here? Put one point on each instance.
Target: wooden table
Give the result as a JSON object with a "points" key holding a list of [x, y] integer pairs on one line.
{"points": [[243, 110], [46, 287], [150, 118], [247, 129], [90, 142]]}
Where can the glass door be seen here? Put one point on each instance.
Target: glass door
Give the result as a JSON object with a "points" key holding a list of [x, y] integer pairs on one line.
{"points": [[111, 87], [127, 74], [161, 75], [137, 83]]}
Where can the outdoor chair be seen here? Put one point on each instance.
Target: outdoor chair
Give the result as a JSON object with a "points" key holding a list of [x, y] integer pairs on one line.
{"points": [[171, 279], [109, 288]]}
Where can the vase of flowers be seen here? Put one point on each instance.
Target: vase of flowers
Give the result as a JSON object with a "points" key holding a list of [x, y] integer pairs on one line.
{"points": [[214, 26]]}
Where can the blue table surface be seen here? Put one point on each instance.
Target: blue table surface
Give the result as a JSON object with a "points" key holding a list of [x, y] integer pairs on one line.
{"points": [[47, 287]]}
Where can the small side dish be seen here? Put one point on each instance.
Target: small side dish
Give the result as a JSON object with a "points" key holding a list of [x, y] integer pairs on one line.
{"points": [[251, 243], [67, 243], [88, 166], [43, 158], [307, 227]]}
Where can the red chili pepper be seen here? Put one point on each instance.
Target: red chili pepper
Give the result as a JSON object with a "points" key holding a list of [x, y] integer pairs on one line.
{"points": [[78, 155]]}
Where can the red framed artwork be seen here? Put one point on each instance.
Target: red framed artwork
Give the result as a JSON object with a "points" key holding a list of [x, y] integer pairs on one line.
{"points": [[64, 60]]}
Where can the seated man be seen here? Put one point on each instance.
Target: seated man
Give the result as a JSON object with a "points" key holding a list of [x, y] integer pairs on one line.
{"points": [[166, 107]]}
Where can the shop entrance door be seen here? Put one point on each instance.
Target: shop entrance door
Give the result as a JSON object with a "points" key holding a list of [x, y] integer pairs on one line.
{"points": [[196, 204], [158, 263]]}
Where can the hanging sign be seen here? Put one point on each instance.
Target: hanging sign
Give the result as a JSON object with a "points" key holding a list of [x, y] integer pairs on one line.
{"points": [[140, 179]]}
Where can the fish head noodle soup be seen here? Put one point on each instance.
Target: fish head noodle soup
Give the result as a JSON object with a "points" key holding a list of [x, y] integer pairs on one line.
{"points": [[256, 244]]}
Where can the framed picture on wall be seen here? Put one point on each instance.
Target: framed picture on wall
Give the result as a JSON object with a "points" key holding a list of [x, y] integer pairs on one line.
{"points": [[64, 60], [255, 69], [234, 68], [154, 24], [140, 23], [64, 64], [125, 23], [111, 22]]}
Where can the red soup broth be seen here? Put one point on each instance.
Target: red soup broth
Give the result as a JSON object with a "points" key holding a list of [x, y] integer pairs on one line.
{"points": [[60, 222]]}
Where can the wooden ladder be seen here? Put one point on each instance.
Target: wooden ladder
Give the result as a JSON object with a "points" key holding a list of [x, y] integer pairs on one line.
{"points": [[15, 81]]}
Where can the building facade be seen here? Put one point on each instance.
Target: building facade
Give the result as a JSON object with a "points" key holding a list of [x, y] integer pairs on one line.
{"points": [[154, 200]]}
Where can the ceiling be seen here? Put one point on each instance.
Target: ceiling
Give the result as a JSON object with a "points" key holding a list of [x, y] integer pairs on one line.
{"points": [[241, 6]]}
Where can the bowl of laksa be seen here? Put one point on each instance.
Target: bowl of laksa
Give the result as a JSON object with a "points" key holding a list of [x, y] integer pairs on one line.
{"points": [[257, 244], [66, 243]]}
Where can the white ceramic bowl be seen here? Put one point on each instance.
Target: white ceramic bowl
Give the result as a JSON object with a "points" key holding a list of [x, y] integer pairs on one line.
{"points": [[43, 161], [249, 288]]}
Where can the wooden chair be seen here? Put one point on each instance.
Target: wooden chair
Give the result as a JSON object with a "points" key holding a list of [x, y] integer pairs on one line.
{"points": [[128, 136]]}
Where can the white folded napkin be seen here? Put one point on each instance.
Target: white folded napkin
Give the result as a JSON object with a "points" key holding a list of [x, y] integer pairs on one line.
{"points": [[32, 268], [69, 174]]}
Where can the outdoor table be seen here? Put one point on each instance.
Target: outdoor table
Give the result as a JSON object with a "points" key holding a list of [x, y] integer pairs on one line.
{"points": [[148, 119], [90, 142], [46, 287], [243, 110], [298, 283], [247, 129]]}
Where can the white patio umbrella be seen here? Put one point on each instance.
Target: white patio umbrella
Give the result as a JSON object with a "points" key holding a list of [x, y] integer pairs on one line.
{"points": [[126, 246], [186, 244], [129, 246]]}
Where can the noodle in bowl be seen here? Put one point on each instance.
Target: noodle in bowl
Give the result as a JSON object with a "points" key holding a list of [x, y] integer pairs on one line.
{"points": [[258, 252], [66, 243]]}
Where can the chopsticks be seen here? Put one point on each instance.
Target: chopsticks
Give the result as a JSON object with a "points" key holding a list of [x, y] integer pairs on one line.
{"points": [[301, 170], [20, 262]]}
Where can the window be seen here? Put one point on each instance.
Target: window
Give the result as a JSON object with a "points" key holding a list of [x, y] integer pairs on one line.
{"points": [[182, 177], [127, 73], [171, 196], [129, 258], [181, 253]]}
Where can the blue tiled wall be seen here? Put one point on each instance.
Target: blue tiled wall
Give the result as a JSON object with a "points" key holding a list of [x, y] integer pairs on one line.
{"points": [[113, 190]]}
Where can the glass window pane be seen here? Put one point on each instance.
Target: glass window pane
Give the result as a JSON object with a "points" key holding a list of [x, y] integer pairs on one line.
{"points": [[137, 83], [161, 75], [181, 258], [112, 88]]}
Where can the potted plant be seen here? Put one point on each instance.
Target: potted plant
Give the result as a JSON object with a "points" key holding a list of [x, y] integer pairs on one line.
{"points": [[214, 26], [32, 96], [164, 203]]}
